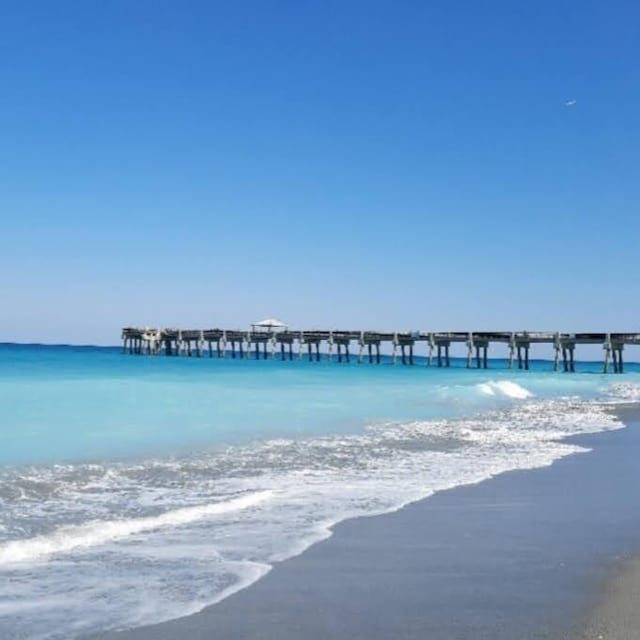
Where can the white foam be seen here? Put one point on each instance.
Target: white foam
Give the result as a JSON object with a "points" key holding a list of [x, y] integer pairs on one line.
{"points": [[624, 391], [506, 388], [99, 532]]}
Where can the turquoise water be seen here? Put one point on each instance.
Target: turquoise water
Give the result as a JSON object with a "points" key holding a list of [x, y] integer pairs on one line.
{"points": [[150, 487], [61, 404]]}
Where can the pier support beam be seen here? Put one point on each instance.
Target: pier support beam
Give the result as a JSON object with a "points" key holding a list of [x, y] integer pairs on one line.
{"points": [[607, 353], [618, 364], [481, 355], [179, 344], [200, 344], [519, 357], [407, 357], [370, 346], [340, 345], [523, 355], [444, 346], [568, 363], [557, 346], [222, 345]]}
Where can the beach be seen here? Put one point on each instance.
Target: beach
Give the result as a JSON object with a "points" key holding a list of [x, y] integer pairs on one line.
{"points": [[543, 553], [281, 499]]}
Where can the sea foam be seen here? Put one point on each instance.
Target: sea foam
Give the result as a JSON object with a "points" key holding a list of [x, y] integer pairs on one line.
{"points": [[99, 532], [506, 388]]}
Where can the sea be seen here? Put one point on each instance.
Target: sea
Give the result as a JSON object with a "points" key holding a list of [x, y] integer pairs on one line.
{"points": [[136, 489]]}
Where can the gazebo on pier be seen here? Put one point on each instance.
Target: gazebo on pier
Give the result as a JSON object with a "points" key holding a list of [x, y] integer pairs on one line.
{"points": [[269, 325]]}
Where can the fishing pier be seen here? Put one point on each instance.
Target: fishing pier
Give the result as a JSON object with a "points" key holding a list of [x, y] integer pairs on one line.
{"points": [[271, 339]]}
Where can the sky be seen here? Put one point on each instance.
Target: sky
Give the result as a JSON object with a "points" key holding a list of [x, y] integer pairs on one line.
{"points": [[398, 165]]}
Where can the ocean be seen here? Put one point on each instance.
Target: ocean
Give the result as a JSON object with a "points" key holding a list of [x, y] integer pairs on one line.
{"points": [[138, 489]]}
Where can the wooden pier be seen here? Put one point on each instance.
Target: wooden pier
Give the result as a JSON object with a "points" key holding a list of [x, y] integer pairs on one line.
{"points": [[287, 344]]}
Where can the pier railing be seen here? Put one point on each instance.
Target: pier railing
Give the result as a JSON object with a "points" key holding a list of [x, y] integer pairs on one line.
{"points": [[287, 344]]}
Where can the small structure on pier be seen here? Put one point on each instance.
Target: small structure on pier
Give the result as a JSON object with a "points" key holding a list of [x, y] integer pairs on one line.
{"points": [[270, 325]]}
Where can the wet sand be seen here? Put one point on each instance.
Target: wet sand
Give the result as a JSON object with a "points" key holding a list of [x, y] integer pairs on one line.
{"points": [[616, 616], [546, 553]]}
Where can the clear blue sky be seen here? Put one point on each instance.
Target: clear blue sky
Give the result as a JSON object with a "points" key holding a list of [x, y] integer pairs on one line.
{"points": [[392, 165]]}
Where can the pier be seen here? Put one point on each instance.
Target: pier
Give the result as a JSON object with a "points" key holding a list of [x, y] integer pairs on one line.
{"points": [[285, 344]]}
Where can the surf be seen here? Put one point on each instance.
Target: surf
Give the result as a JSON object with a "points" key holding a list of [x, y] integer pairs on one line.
{"points": [[99, 532]]}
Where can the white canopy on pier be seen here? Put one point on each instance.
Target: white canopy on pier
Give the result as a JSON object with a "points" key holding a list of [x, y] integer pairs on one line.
{"points": [[270, 324]]}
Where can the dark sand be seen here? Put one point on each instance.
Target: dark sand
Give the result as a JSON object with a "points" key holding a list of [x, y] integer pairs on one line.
{"points": [[544, 553], [616, 616]]}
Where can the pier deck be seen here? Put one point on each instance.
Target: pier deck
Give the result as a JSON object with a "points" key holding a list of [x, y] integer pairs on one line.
{"points": [[236, 343]]}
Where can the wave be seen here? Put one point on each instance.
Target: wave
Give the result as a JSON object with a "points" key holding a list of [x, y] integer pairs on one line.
{"points": [[99, 532], [505, 388], [624, 392]]}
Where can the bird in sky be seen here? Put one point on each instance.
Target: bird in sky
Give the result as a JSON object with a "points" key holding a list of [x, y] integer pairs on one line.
{"points": [[569, 103]]}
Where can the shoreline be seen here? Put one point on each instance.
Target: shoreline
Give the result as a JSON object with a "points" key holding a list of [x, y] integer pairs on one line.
{"points": [[513, 554]]}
